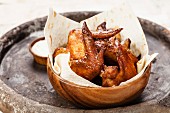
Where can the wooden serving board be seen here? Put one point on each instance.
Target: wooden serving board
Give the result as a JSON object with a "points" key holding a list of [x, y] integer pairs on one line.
{"points": [[25, 87]]}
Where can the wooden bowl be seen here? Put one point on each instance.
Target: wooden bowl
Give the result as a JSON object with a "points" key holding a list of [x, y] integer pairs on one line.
{"points": [[39, 59], [99, 97]]}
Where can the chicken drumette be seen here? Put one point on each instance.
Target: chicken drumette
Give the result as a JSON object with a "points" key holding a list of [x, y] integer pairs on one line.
{"points": [[85, 60], [126, 69]]}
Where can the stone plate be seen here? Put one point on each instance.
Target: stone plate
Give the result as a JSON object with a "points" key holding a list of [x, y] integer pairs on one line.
{"points": [[24, 84]]}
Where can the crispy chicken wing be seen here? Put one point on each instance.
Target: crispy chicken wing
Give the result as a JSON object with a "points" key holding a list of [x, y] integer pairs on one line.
{"points": [[110, 53], [108, 75], [90, 63], [102, 32], [100, 52], [100, 43], [76, 44], [113, 76], [108, 42]]}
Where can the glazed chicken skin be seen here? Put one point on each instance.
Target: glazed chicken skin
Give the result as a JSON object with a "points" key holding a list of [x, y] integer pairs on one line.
{"points": [[76, 45], [126, 69], [103, 33], [85, 60], [100, 52], [121, 62], [110, 53]]}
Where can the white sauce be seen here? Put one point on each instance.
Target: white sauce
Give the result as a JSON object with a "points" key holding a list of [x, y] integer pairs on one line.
{"points": [[40, 48]]}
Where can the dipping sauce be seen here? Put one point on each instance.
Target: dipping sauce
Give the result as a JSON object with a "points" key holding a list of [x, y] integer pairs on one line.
{"points": [[40, 48]]}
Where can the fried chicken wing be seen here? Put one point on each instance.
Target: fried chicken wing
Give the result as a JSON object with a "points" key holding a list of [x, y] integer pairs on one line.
{"points": [[76, 45], [110, 53], [88, 66], [106, 34], [102, 31], [127, 67], [109, 73], [100, 52], [100, 43], [108, 42]]}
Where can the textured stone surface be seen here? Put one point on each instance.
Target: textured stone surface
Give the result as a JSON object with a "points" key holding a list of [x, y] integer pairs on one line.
{"points": [[24, 85]]}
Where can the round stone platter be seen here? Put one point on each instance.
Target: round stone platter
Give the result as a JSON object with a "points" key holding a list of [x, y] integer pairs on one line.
{"points": [[24, 84]]}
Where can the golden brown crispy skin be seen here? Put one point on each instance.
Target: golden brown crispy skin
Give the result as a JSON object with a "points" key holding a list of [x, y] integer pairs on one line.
{"points": [[108, 75], [76, 44], [90, 65], [110, 53], [127, 67]]}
